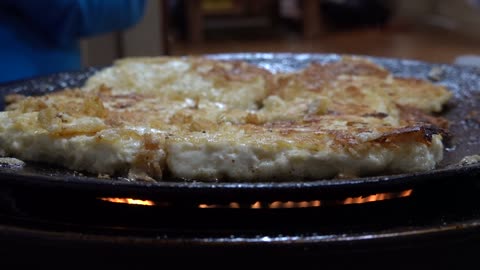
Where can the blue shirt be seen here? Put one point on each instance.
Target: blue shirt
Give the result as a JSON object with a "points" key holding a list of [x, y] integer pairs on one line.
{"points": [[42, 37]]}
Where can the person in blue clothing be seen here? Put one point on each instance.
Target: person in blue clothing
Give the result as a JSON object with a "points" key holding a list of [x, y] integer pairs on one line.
{"points": [[42, 37]]}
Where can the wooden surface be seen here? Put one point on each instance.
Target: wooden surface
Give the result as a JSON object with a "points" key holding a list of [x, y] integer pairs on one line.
{"points": [[195, 20], [312, 25], [433, 45]]}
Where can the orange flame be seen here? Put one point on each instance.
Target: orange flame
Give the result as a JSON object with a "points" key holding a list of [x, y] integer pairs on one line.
{"points": [[275, 204], [377, 197], [314, 203], [129, 201]]}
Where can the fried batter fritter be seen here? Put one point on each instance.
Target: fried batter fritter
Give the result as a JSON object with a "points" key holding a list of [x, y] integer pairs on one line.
{"points": [[204, 119]]}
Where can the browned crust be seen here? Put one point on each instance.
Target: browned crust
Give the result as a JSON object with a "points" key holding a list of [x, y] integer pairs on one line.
{"points": [[229, 70], [420, 134], [415, 116], [316, 76]]}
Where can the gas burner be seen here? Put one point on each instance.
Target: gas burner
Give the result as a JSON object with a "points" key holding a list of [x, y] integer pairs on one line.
{"points": [[431, 224]]}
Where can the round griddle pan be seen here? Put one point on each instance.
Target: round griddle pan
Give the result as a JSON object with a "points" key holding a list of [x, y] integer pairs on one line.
{"points": [[463, 112]]}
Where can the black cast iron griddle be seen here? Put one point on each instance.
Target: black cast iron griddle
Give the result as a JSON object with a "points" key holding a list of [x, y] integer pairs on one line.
{"points": [[463, 111]]}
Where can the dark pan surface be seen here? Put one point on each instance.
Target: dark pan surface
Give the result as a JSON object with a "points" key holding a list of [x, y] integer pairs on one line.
{"points": [[463, 112]]}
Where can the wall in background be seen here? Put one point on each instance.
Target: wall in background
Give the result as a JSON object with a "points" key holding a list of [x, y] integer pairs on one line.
{"points": [[147, 38]]}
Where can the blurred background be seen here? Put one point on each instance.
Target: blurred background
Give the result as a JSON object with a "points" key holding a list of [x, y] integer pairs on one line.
{"points": [[440, 31]]}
